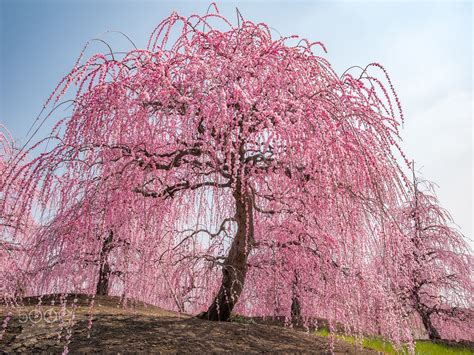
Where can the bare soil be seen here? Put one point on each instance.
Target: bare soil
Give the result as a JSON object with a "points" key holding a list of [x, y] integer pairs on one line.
{"points": [[144, 328]]}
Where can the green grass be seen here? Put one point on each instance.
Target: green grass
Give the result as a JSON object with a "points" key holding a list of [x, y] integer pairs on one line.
{"points": [[422, 347], [428, 348], [322, 332]]}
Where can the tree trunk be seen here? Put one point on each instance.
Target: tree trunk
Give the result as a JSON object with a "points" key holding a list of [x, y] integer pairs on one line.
{"points": [[295, 303], [295, 312], [433, 333], [102, 287], [235, 265]]}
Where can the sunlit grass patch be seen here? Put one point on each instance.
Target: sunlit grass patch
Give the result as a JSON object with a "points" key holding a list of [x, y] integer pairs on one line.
{"points": [[422, 347], [430, 348], [322, 332]]}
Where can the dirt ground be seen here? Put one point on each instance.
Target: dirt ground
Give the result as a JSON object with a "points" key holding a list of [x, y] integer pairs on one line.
{"points": [[143, 328]]}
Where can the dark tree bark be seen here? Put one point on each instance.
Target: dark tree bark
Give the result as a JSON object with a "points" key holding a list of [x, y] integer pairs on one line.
{"points": [[433, 333], [425, 316], [295, 303], [102, 287], [422, 310], [235, 266]]}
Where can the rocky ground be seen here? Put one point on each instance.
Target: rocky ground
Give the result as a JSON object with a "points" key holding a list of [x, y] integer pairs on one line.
{"points": [[143, 328]]}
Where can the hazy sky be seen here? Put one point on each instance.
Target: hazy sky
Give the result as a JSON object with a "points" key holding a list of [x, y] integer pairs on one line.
{"points": [[425, 46]]}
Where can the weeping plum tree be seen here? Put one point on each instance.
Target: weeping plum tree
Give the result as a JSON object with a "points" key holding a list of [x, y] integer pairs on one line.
{"points": [[439, 263], [428, 265], [13, 230], [262, 129], [88, 241], [6, 223], [225, 150]]}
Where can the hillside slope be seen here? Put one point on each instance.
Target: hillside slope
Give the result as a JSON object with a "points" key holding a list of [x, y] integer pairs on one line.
{"points": [[146, 328]]}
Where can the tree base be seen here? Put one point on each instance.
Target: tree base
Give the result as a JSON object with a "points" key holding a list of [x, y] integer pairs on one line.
{"points": [[213, 316]]}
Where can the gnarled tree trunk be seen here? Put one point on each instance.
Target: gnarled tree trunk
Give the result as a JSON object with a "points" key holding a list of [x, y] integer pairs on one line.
{"points": [[102, 287], [235, 265], [295, 303], [433, 333]]}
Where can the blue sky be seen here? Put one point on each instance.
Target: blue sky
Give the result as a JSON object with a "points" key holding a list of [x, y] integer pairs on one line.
{"points": [[425, 46]]}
